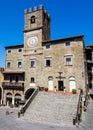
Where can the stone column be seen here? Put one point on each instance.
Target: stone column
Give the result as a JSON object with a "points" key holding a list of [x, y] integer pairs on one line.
{"points": [[23, 97], [13, 100], [4, 97]]}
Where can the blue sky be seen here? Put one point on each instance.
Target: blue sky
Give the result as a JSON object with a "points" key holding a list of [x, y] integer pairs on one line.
{"points": [[68, 18]]}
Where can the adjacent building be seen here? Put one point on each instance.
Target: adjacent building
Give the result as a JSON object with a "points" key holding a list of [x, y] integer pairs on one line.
{"points": [[89, 67], [42, 62], [1, 81]]}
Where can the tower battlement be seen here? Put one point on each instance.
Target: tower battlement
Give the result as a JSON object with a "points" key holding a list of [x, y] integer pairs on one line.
{"points": [[35, 8], [37, 18]]}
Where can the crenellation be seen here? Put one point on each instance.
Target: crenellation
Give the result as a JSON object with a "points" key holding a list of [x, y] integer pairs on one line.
{"points": [[41, 7], [45, 11], [25, 11], [30, 10], [35, 8], [48, 15]]}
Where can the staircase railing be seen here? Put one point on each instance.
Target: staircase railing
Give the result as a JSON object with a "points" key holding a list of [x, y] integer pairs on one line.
{"points": [[28, 102], [77, 116]]}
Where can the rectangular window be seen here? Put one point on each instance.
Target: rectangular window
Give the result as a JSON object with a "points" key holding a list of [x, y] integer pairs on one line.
{"points": [[33, 63], [9, 51], [8, 64], [19, 64], [48, 62], [68, 60], [67, 43], [47, 46]]}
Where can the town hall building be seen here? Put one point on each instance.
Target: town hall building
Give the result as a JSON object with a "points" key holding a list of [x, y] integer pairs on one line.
{"points": [[42, 62]]}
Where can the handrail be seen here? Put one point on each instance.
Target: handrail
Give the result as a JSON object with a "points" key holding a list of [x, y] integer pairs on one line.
{"points": [[77, 116], [28, 102]]}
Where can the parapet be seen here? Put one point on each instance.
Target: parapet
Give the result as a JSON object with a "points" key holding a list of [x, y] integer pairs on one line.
{"points": [[30, 10], [48, 15], [41, 7], [35, 8], [25, 11]]}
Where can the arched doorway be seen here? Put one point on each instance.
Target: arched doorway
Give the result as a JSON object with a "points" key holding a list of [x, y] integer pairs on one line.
{"points": [[50, 83], [9, 98], [17, 98], [28, 93], [72, 83]]}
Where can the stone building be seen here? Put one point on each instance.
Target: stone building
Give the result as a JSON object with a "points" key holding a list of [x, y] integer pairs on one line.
{"points": [[41, 61], [89, 65], [1, 81]]}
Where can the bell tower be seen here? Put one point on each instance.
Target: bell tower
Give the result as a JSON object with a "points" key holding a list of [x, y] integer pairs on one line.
{"points": [[36, 27]]}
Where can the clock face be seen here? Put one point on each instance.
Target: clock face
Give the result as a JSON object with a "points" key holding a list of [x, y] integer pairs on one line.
{"points": [[32, 41]]}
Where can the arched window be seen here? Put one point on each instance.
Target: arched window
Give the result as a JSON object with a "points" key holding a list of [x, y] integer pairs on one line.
{"points": [[50, 78], [32, 80], [33, 19]]}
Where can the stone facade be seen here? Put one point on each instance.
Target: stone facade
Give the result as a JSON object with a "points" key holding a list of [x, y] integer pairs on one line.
{"points": [[1, 81], [43, 62], [89, 67]]}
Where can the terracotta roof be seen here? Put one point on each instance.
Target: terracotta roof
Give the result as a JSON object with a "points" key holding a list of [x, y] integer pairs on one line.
{"points": [[14, 46], [62, 39], [90, 45]]}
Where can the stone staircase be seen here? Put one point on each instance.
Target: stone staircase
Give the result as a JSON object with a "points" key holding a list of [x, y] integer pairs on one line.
{"points": [[87, 118], [52, 108]]}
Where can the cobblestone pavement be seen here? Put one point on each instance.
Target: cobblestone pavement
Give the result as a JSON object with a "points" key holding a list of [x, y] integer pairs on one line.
{"points": [[12, 122]]}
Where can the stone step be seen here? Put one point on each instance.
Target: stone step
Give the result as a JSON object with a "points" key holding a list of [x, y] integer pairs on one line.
{"points": [[52, 108]]}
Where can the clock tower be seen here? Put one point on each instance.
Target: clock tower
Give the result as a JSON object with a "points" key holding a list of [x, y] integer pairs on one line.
{"points": [[36, 27], [36, 30]]}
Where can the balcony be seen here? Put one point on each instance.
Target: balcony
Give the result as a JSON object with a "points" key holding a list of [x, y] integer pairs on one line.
{"points": [[13, 86]]}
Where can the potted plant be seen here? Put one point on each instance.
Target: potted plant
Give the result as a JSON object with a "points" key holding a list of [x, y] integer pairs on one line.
{"points": [[74, 91], [46, 89]]}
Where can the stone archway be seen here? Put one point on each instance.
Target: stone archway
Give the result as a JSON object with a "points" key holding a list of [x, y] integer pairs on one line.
{"points": [[28, 93], [17, 98], [9, 98]]}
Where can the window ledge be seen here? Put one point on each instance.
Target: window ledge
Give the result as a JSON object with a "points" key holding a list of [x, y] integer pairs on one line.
{"points": [[68, 65], [48, 66]]}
